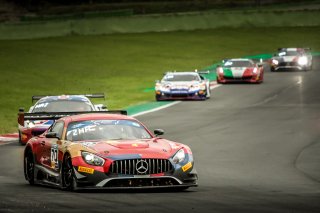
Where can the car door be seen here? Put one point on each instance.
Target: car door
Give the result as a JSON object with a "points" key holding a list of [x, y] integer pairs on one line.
{"points": [[50, 146]]}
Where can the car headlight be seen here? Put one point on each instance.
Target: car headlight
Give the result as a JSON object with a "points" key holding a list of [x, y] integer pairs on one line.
{"points": [[92, 159], [203, 86], [302, 60], [179, 156], [220, 70], [158, 86], [194, 87], [274, 61], [165, 87], [255, 70]]}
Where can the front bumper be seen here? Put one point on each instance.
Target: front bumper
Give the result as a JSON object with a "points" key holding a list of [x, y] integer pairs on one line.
{"points": [[181, 95], [288, 65], [92, 177], [250, 79]]}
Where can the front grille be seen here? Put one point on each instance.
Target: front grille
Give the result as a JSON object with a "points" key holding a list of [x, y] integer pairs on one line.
{"points": [[142, 182], [283, 64], [240, 78], [179, 95], [140, 166]]}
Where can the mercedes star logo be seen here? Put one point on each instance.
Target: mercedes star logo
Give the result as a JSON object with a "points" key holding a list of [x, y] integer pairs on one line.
{"points": [[142, 166]]}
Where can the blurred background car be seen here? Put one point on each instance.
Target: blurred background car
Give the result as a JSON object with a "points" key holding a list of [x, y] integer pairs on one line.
{"points": [[62, 103], [240, 70], [292, 58]]}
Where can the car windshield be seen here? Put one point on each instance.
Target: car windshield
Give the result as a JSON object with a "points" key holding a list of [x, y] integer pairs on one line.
{"points": [[62, 106], [180, 77], [238, 64], [289, 53], [106, 130]]}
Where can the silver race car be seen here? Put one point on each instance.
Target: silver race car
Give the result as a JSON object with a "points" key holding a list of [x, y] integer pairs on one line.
{"points": [[292, 58]]}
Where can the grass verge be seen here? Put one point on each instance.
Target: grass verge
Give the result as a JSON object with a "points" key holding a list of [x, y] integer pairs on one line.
{"points": [[123, 65]]}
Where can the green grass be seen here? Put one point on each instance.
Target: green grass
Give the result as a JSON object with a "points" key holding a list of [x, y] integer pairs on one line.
{"points": [[123, 65]]}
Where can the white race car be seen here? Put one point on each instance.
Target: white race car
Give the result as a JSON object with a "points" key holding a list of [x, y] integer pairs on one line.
{"points": [[182, 86], [54, 104], [292, 58]]}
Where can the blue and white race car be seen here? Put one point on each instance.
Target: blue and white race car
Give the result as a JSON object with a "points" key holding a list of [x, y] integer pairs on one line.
{"points": [[182, 86]]}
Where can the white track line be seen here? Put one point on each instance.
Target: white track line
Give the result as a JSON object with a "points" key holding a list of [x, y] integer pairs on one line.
{"points": [[156, 109], [6, 140]]}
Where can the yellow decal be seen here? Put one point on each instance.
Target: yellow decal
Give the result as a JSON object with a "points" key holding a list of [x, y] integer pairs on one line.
{"points": [[24, 136], [135, 145], [85, 169], [187, 166]]}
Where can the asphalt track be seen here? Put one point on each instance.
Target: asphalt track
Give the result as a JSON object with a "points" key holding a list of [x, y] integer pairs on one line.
{"points": [[257, 149]]}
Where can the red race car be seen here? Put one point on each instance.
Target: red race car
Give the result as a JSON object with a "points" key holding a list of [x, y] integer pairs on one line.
{"points": [[62, 103], [240, 70], [106, 151]]}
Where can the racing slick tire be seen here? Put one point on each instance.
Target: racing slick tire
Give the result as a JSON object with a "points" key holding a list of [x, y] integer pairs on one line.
{"points": [[208, 93], [20, 139], [29, 166], [67, 174]]}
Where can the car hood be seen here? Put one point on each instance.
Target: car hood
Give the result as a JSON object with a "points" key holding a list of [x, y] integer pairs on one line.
{"points": [[287, 58], [237, 72], [180, 83], [150, 148]]}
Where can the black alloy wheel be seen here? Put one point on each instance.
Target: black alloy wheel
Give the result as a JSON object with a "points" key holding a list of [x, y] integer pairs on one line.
{"points": [[29, 166], [67, 174]]}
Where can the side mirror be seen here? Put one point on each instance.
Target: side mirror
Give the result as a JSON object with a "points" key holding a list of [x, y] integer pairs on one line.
{"points": [[158, 132], [52, 135]]}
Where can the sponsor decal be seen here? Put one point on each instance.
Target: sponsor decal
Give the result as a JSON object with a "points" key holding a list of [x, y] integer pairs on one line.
{"points": [[54, 156], [42, 105], [187, 166], [135, 145], [89, 144], [85, 169]]}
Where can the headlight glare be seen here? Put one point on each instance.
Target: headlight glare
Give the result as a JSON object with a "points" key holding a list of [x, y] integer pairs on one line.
{"points": [[179, 156], [274, 61], [92, 159], [303, 60]]}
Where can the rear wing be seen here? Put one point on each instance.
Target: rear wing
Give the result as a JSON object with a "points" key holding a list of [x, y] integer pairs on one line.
{"points": [[22, 116], [94, 95]]}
